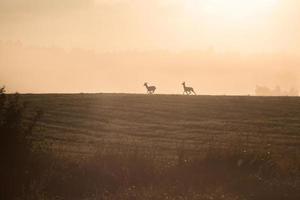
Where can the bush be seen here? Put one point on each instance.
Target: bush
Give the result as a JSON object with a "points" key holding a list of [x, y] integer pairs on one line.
{"points": [[15, 146]]}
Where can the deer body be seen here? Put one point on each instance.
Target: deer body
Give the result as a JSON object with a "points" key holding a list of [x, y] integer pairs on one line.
{"points": [[150, 89], [187, 90]]}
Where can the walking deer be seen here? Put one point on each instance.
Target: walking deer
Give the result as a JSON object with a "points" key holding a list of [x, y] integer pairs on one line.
{"points": [[188, 90], [150, 89]]}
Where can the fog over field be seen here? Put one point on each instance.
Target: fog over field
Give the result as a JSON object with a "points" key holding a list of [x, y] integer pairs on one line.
{"points": [[35, 69], [218, 47]]}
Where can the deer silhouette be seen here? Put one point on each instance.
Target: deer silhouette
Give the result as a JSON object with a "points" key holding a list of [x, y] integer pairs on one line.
{"points": [[188, 90], [150, 89]]}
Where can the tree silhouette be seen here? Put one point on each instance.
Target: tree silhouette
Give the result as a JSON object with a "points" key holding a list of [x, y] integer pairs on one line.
{"points": [[15, 146]]}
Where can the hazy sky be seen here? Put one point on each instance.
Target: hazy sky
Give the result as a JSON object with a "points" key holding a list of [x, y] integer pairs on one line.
{"points": [[239, 27]]}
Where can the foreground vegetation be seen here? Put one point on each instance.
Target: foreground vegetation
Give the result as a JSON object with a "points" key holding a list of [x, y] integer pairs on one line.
{"points": [[36, 169], [143, 174]]}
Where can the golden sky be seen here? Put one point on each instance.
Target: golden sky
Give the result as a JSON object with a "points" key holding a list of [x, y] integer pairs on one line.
{"points": [[219, 46]]}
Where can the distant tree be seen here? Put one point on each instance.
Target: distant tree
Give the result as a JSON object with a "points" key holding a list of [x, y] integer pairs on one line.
{"points": [[15, 146], [262, 91], [277, 91], [293, 92]]}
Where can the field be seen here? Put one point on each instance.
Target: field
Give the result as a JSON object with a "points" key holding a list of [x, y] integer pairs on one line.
{"points": [[71, 121], [131, 146]]}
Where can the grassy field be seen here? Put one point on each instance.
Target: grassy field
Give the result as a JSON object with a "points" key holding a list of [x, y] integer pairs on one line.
{"points": [[129, 146], [71, 121]]}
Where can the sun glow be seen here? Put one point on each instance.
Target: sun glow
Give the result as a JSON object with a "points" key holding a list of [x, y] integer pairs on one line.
{"points": [[232, 10]]}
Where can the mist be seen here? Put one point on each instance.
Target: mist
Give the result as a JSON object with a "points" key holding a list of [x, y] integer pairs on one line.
{"points": [[116, 46], [53, 69]]}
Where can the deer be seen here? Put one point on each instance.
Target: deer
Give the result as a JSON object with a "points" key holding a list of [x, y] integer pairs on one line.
{"points": [[187, 90], [150, 89]]}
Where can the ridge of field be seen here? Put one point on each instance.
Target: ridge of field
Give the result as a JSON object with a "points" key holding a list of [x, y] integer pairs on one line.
{"points": [[71, 121]]}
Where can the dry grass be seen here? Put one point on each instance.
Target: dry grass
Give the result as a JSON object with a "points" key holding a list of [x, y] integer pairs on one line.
{"points": [[166, 147], [72, 121], [215, 174]]}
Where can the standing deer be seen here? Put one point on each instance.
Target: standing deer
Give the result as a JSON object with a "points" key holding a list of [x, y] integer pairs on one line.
{"points": [[150, 89], [187, 90]]}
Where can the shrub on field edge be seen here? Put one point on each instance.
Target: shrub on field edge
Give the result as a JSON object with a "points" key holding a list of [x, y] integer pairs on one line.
{"points": [[15, 146]]}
